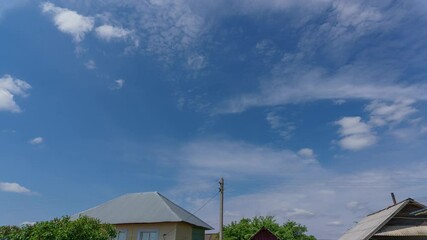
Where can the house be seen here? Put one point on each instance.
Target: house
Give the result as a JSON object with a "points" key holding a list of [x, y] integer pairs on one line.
{"points": [[406, 220], [148, 216], [264, 234]]}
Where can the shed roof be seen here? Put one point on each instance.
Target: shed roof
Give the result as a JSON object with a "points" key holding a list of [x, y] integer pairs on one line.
{"points": [[369, 225], [264, 234], [148, 207]]}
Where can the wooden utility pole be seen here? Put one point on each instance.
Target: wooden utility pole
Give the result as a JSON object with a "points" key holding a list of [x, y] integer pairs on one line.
{"points": [[221, 207]]}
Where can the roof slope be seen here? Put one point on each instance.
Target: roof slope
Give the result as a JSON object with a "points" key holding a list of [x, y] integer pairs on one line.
{"points": [[372, 223], [398, 231], [264, 234], [149, 207]]}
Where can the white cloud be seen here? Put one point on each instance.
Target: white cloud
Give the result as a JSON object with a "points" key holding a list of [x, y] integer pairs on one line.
{"points": [[9, 88], [298, 212], [117, 84], [90, 64], [228, 158], [68, 21], [13, 187], [355, 133], [306, 153], [335, 223], [383, 113], [209, 158], [339, 101], [108, 32], [296, 84], [35, 141]]}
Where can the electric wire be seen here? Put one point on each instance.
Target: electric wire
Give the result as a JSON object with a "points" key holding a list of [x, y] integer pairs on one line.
{"points": [[193, 214]]}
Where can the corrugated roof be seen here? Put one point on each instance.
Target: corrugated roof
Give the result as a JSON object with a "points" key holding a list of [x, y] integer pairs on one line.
{"points": [[372, 223], [149, 207], [398, 231]]}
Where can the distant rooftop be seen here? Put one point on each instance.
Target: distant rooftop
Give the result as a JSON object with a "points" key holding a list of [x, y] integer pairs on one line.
{"points": [[375, 224], [148, 207]]}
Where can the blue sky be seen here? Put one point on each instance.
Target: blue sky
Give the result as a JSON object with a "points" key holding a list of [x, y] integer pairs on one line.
{"points": [[312, 111]]}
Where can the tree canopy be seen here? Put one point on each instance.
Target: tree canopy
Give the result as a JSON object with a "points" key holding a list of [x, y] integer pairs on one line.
{"points": [[60, 229], [246, 228]]}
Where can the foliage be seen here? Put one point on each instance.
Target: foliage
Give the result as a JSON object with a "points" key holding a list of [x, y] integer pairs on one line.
{"points": [[246, 228], [60, 229]]}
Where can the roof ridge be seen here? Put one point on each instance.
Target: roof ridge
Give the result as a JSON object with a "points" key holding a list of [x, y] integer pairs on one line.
{"points": [[167, 205], [408, 199], [183, 209], [403, 204]]}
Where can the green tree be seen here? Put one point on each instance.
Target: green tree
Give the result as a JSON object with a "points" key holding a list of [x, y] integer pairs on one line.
{"points": [[64, 228], [247, 227]]}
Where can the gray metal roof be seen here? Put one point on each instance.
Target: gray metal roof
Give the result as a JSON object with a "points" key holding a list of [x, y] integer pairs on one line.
{"points": [[148, 207], [369, 225]]}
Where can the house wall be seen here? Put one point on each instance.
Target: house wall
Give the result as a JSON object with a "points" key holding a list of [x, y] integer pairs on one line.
{"points": [[173, 231], [183, 231], [163, 228]]}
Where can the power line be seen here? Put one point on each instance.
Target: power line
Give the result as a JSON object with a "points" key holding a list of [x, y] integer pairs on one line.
{"points": [[193, 214]]}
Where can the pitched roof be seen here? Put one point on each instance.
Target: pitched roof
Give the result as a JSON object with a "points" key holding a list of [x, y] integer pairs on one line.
{"points": [[264, 234], [372, 223], [148, 207]]}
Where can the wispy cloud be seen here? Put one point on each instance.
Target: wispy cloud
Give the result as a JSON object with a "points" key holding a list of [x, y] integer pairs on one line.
{"points": [[278, 123], [13, 187], [90, 64], [68, 21], [36, 141], [108, 32], [117, 84], [383, 113], [9, 88], [196, 62], [296, 84]]}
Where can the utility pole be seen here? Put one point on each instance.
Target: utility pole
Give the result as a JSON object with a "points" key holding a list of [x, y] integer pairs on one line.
{"points": [[221, 207]]}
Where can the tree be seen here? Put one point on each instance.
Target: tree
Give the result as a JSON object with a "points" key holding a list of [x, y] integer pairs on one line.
{"points": [[246, 228], [60, 229]]}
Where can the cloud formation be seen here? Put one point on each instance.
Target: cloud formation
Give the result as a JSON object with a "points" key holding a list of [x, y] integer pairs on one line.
{"points": [[306, 153], [90, 64], [117, 84], [355, 133], [68, 21], [9, 88], [13, 187], [35, 141], [296, 84], [108, 32], [383, 113]]}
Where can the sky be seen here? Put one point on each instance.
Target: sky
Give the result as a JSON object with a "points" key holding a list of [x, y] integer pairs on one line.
{"points": [[312, 110]]}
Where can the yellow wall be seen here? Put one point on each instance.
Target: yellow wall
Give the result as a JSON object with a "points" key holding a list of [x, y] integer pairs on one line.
{"points": [[174, 231], [163, 228], [184, 231]]}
